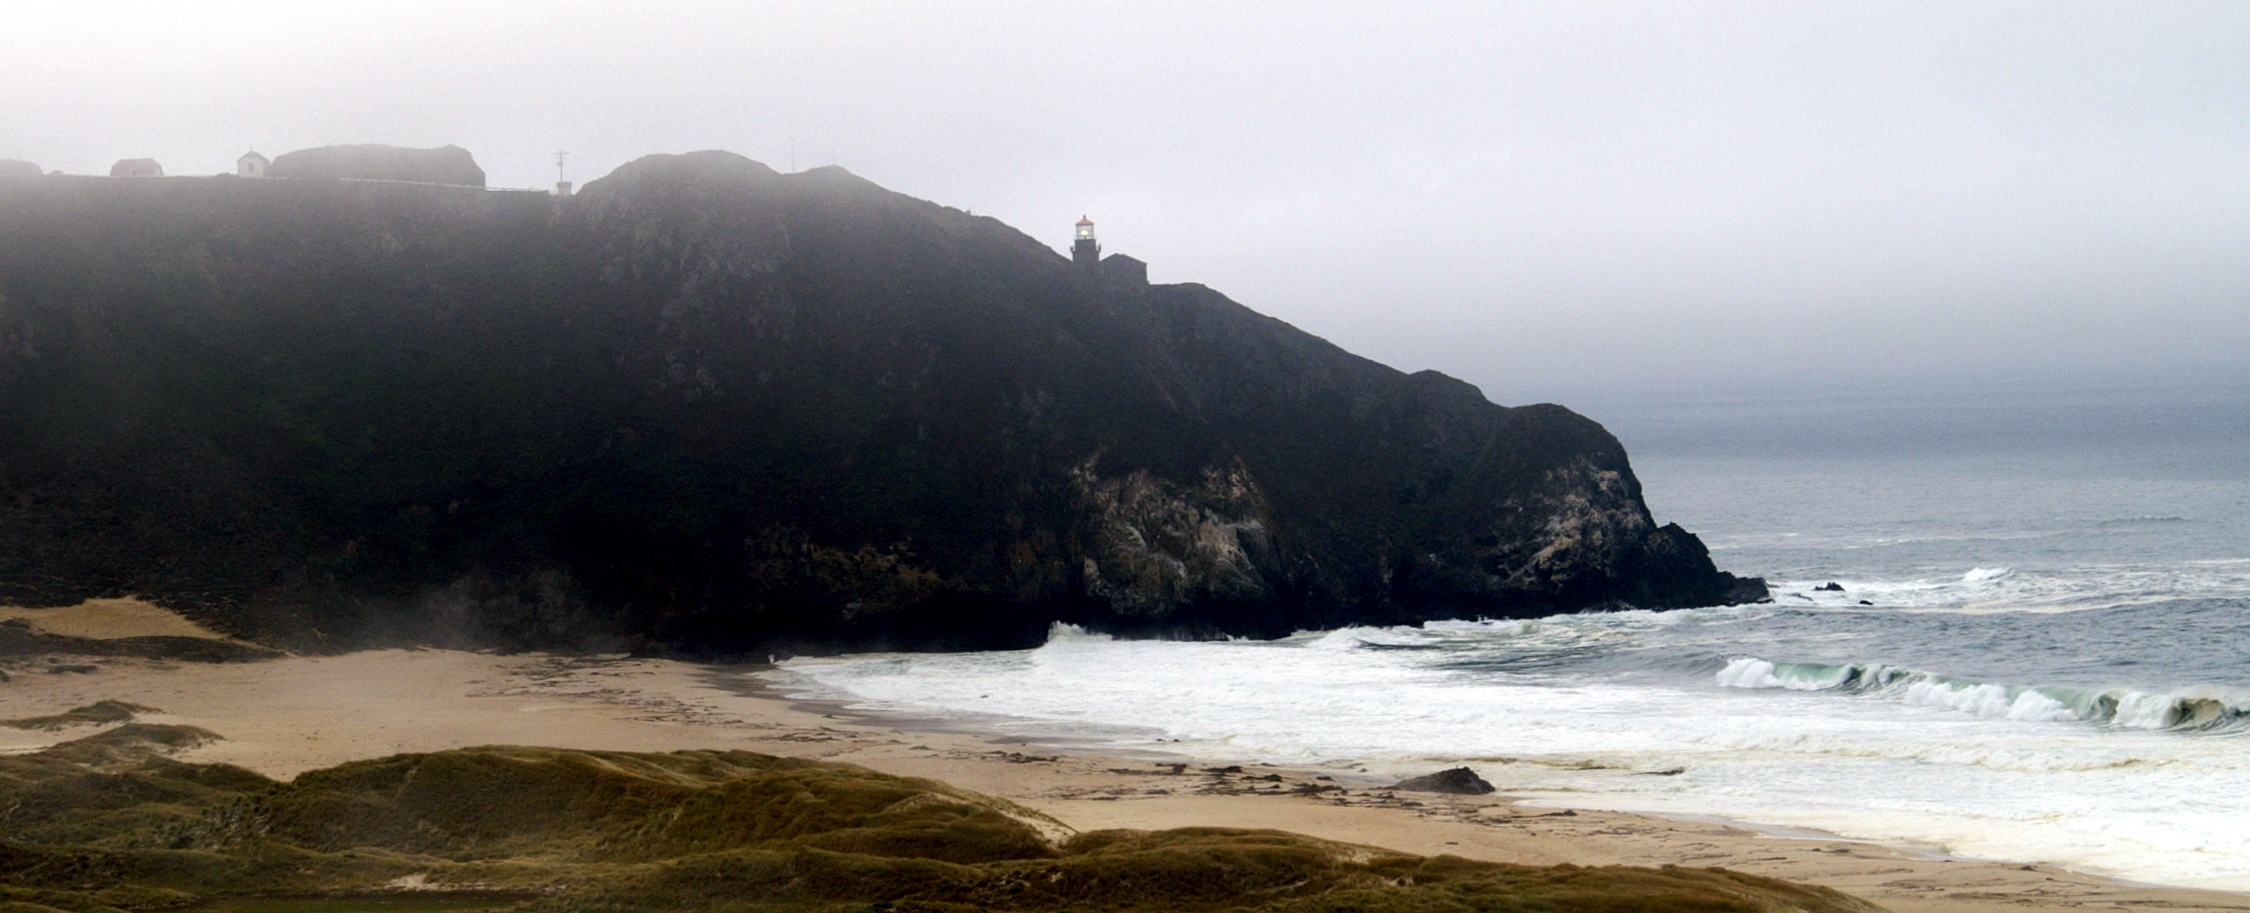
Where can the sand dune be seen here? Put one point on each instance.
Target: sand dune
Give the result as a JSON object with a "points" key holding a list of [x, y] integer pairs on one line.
{"points": [[285, 716], [109, 619]]}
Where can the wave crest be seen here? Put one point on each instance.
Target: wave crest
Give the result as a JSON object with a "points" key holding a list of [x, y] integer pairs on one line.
{"points": [[2197, 709]]}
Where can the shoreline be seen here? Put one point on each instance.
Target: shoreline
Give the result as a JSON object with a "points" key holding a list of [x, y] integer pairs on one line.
{"points": [[281, 717], [1751, 830]]}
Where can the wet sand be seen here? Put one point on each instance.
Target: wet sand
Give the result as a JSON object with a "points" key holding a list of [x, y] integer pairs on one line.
{"points": [[282, 717]]}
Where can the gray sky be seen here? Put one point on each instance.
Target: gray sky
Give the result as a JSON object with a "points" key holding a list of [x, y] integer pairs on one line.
{"points": [[1561, 201]]}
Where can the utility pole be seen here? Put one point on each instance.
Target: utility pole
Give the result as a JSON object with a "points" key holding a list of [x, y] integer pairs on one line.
{"points": [[562, 185]]}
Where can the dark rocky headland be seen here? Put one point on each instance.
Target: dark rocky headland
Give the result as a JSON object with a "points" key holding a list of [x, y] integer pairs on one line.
{"points": [[704, 406]]}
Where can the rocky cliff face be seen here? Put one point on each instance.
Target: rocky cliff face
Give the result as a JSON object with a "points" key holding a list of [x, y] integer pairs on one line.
{"points": [[711, 407]]}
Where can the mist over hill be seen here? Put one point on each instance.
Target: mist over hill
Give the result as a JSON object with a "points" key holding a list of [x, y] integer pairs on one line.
{"points": [[710, 407]]}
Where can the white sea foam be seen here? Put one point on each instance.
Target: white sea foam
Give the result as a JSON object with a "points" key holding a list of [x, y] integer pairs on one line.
{"points": [[2055, 651], [2144, 783], [1354, 638], [1750, 672], [2199, 707], [2058, 589]]}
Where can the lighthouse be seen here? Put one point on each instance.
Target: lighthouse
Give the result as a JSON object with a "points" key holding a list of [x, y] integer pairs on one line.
{"points": [[1086, 251]]}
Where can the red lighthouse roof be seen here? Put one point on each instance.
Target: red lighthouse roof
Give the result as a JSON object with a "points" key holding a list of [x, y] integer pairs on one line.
{"points": [[1082, 220]]}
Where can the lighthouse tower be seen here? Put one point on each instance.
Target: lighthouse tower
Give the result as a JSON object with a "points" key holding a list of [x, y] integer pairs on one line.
{"points": [[1086, 251]]}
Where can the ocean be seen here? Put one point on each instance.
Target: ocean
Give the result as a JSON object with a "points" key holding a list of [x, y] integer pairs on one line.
{"points": [[2036, 647]]}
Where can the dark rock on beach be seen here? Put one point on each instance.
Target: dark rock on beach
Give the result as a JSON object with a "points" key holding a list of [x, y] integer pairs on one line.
{"points": [[707, 407], [1829, 587], [1459, 781]]}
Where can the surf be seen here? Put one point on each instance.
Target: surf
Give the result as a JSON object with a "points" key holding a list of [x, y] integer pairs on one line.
{"points": [[2207, 708]]}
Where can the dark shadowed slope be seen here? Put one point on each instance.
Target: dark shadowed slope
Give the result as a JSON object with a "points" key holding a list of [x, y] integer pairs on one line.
{"points": [[110, 822], [709, 406]]}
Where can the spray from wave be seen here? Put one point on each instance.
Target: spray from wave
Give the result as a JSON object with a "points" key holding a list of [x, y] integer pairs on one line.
{"points": [[2198, 709]]}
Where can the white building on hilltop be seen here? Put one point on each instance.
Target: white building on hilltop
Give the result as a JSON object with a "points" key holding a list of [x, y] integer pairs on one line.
{"points": [[251, 165]]}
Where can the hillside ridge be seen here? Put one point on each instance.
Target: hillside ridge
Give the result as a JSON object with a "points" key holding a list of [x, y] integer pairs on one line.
{"points": [[709, 407]]}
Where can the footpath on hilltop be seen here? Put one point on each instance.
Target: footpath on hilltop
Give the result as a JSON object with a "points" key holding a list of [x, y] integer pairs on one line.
{"points": [[705, 406]]}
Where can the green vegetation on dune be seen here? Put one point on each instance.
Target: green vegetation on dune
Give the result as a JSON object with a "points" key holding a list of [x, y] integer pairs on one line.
{"points": [[110, 823], [94, 713], [458, 902]]}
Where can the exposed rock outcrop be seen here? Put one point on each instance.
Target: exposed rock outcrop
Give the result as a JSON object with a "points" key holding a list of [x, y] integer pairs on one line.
{"points": [[704, 405], [1458, 781], [376, 162]]}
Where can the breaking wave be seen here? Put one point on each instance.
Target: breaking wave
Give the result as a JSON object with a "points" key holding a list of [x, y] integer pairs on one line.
{"points": [[1998, 587], [2198, 709]]}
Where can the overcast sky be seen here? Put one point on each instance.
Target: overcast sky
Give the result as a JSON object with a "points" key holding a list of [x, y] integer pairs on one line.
{"points": [[1562, 201]]}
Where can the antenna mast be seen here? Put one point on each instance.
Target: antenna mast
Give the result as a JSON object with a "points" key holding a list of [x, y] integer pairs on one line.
{"points": [[562, 185]]}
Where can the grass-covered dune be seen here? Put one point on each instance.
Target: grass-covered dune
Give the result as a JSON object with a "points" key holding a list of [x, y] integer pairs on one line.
{"points": [[110, 822]]}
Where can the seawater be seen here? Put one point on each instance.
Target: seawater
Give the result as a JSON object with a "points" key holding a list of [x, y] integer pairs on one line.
{"points": [[2040, 650]]}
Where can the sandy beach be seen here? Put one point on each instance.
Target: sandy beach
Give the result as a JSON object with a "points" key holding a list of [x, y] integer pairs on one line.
{"points": [[281, 717]]}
